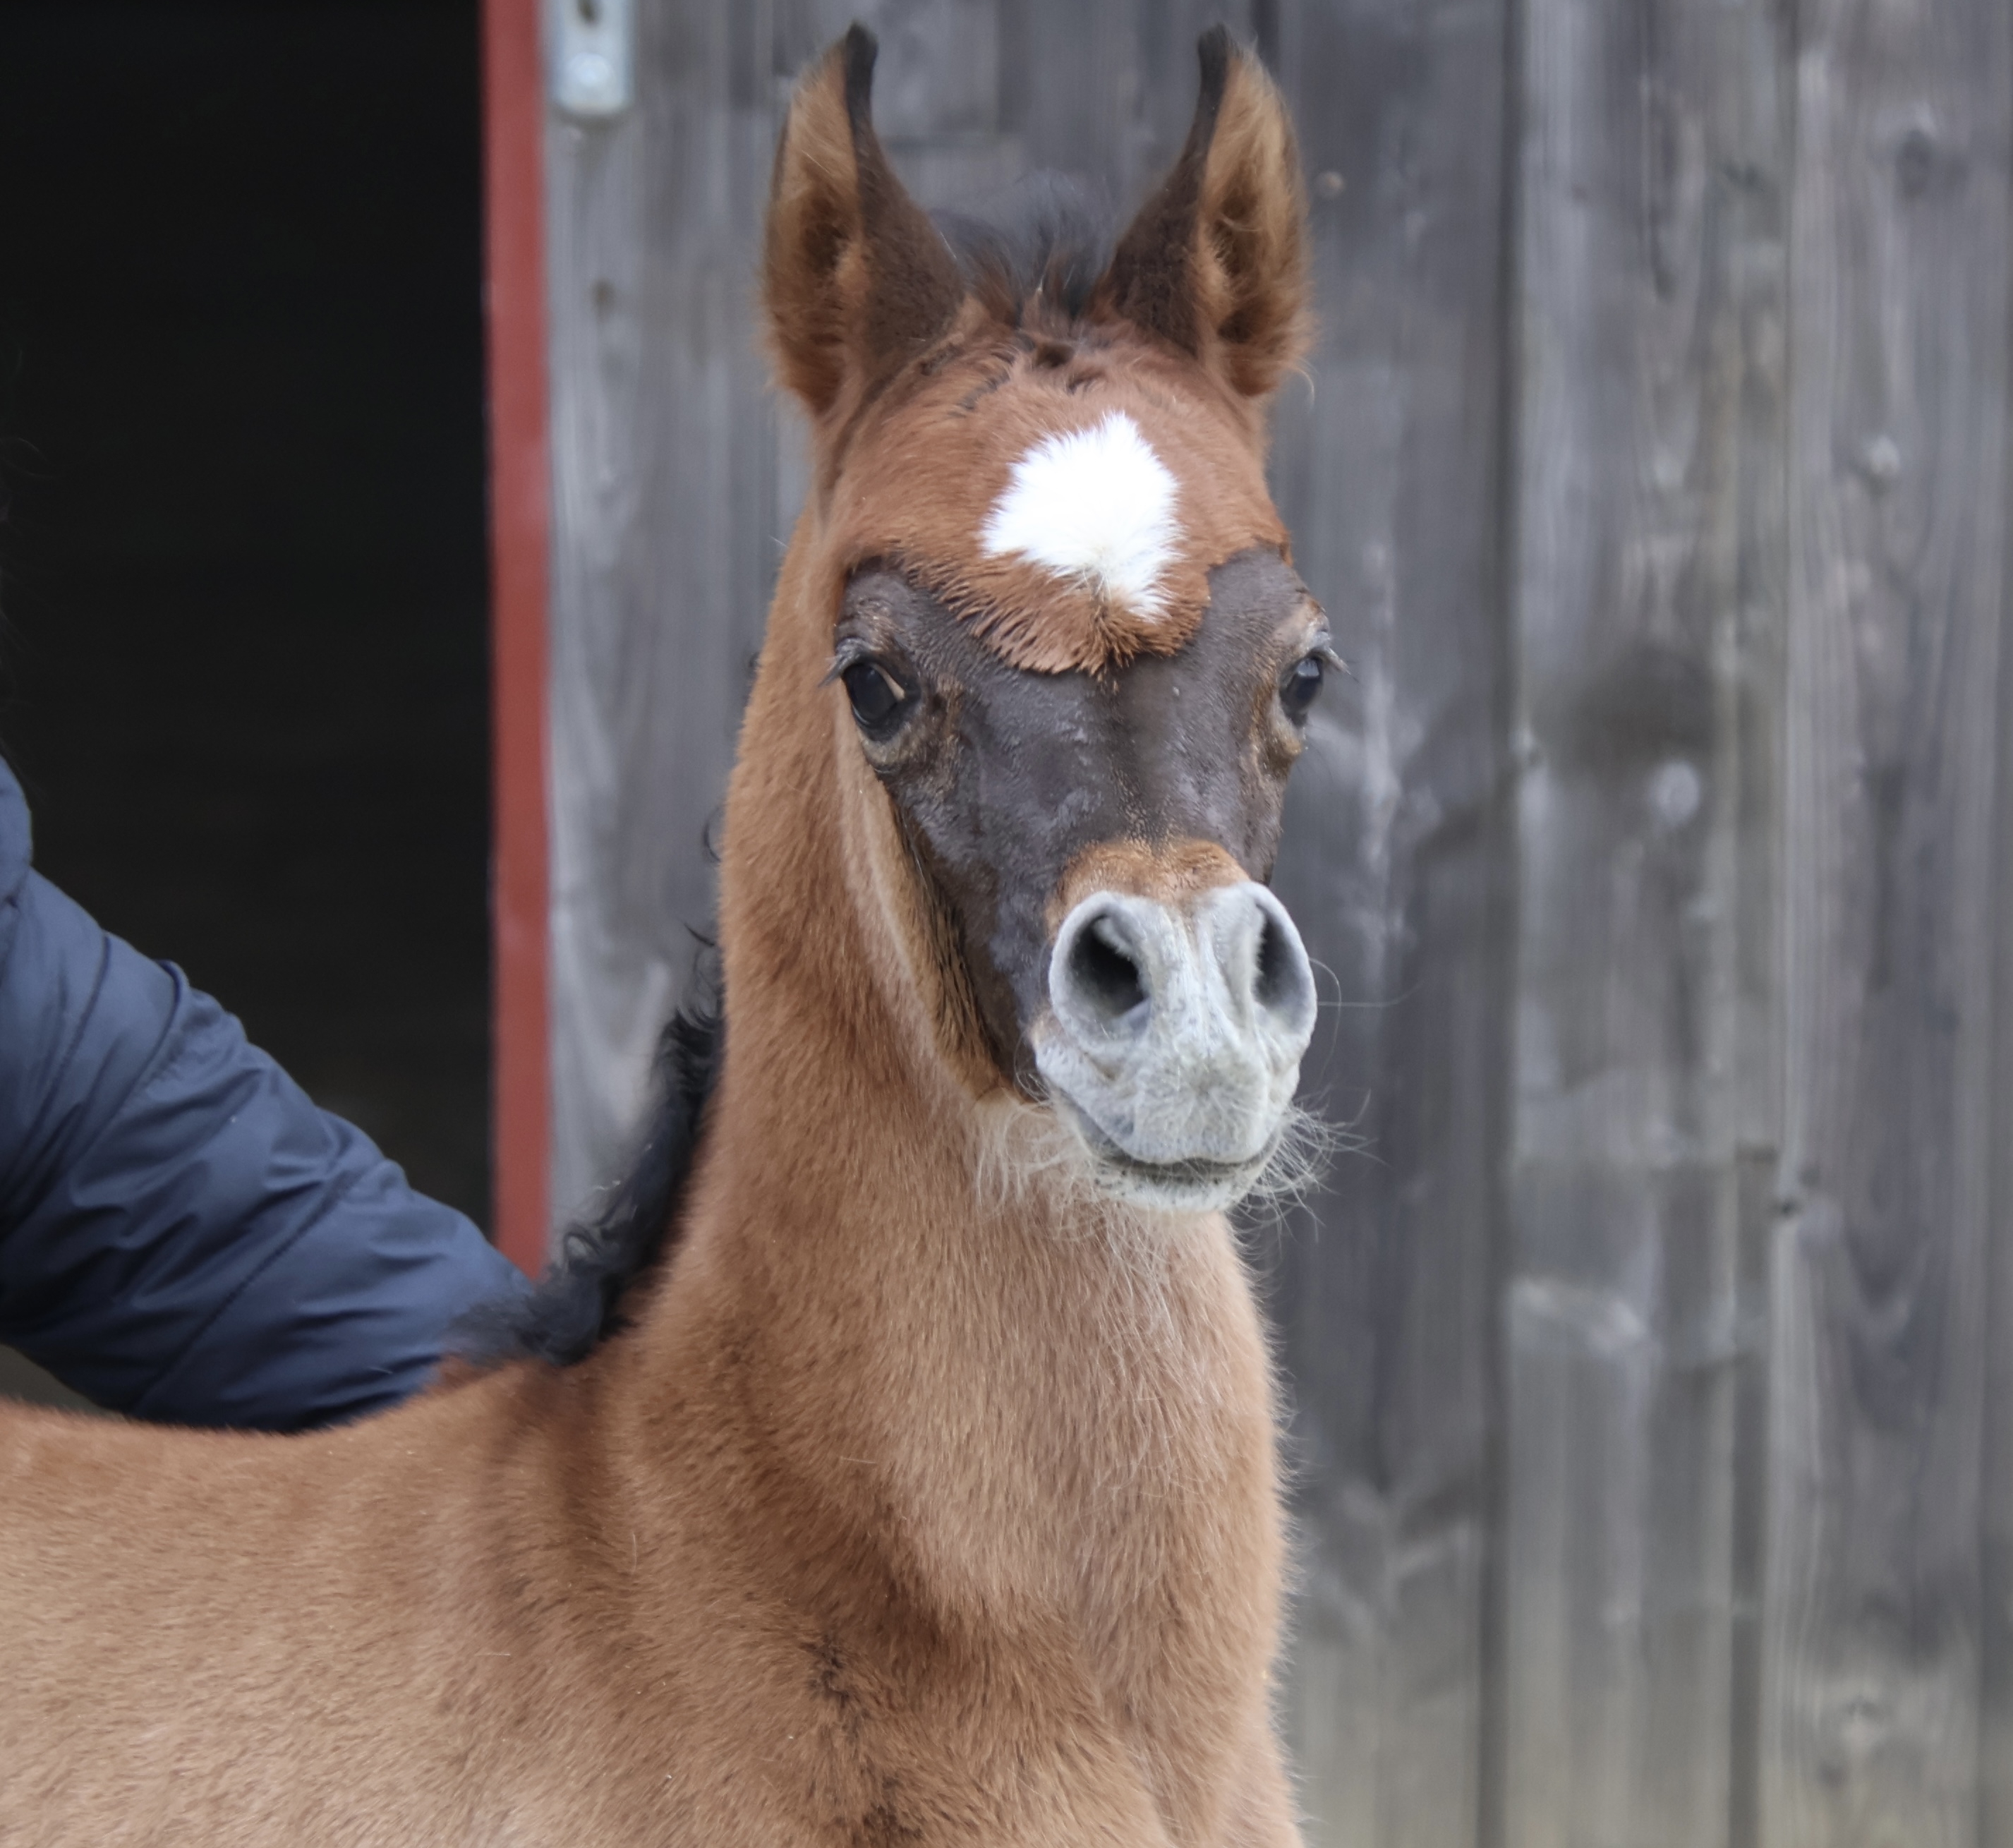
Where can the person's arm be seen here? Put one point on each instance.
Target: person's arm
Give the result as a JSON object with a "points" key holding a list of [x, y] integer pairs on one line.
{"points": [[184, 1235]]}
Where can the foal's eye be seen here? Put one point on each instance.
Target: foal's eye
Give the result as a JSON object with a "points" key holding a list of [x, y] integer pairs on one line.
{"points": [[1303, 682], [878, 697]]}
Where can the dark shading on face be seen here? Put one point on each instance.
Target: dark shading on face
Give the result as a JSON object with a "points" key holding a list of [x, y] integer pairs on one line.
{"points": [[1002, 778]]}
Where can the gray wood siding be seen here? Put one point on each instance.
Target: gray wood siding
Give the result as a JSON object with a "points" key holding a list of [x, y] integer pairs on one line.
{"points": [[1650, 1429], [1647, 509], [1388, 468], [1899, 323]]}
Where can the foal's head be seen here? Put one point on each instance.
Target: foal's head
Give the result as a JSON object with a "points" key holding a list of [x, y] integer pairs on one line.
{"points": [[1067, 661]]}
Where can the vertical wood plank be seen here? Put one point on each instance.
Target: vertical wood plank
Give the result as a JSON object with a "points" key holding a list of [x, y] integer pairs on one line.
{"points": [[1900, 312], [665, 540], [1996, 1720], [1649, 489], [1071, 87], [1395, 864]]}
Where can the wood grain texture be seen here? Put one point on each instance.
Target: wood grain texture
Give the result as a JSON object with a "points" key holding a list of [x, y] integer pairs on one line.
{"points": [[1647, 485], [1396, 865], [664, 539], [1899, 325], [1996, 1631]]}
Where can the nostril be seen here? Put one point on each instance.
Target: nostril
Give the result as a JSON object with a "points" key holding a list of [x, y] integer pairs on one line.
{"points": [[1279, 969], [1283, 981], [1103, 973]]}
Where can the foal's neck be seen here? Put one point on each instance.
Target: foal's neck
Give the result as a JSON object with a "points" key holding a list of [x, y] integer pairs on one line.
{"points": [[925, 1321]]}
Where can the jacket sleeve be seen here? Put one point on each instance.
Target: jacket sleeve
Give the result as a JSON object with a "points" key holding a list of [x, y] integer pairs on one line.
{"points": [[184, 1235]]}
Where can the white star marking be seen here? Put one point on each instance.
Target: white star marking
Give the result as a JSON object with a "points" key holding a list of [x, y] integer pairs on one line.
{"points": [[1094, 506]]}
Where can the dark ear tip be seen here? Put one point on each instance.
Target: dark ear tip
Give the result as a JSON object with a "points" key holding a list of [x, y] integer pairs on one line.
{"points": [[1213, 53], [861, 48]]}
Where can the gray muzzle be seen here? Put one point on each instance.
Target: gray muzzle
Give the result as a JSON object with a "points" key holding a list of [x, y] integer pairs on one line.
{"points": [[1174, 1034]]}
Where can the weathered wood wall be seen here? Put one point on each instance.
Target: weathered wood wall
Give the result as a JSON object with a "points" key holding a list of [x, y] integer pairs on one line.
{"points": [[1652, 1432]]}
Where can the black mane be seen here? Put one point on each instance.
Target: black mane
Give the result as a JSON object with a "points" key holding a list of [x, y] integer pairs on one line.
{"points": [[1048, 237], [583, 1296]]}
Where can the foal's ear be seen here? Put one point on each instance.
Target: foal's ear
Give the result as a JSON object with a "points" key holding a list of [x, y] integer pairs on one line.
{"points": [[856, 280], [1216, 261]]}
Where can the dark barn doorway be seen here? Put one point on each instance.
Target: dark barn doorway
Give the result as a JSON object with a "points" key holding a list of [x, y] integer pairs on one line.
{"points": [[243, 667]]}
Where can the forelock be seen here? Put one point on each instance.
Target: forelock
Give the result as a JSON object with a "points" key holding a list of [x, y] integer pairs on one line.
{"points": [[1034, 252]]}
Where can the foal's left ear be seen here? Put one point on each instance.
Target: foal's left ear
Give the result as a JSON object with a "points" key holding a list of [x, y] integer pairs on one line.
{"points": [[856, 280], [1215, 262]]}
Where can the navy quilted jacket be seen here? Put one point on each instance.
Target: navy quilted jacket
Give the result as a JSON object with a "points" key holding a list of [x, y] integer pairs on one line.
{"points": [[184, 1235]]}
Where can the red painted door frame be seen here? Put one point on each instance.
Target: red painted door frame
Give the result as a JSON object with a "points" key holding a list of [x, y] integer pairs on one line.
{"points": [[520, 503]]}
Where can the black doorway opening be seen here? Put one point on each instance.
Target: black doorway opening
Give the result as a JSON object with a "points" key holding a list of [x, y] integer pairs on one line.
{"points": [[243, 650]]}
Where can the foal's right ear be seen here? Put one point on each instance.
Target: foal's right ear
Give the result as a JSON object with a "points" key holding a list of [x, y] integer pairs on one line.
{"points": [[1215, 262], [856, 280]]}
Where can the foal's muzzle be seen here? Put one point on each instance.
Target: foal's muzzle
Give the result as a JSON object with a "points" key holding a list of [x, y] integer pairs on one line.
{"points": [[1174, 1037]]}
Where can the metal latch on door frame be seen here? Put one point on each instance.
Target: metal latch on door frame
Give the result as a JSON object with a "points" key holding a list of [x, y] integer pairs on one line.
{"points": [[590, 47]]}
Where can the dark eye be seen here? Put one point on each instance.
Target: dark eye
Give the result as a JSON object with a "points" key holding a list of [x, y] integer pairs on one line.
{"points": [[1297, 690], [878, 697]]}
